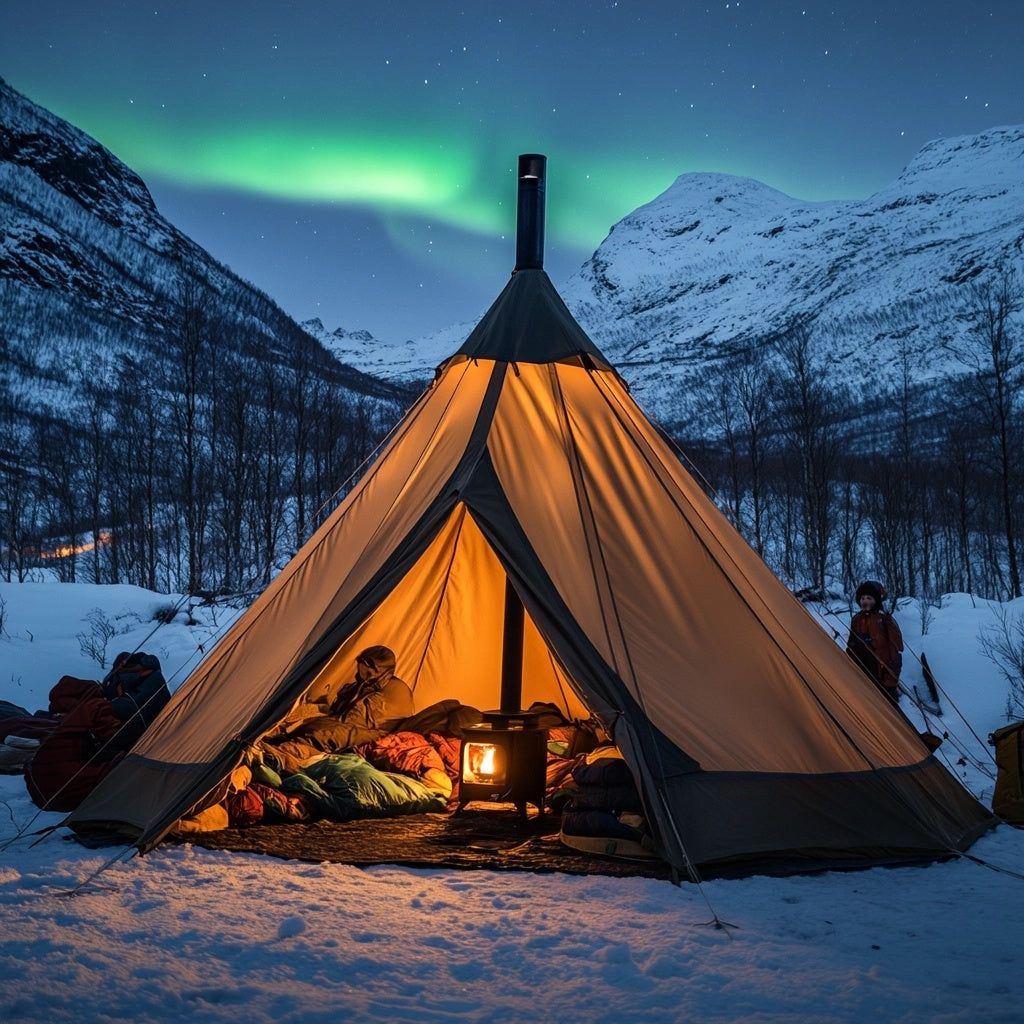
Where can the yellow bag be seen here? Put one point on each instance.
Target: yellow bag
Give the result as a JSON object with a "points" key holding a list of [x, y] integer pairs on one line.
{"points": [[1008, 796]]}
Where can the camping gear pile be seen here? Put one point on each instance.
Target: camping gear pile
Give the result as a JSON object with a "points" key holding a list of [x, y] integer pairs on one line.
{"points": [[22, 733], [409, 772], [87, 728]]}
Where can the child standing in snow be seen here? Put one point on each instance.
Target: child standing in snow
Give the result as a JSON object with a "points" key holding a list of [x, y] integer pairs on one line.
{"points": [[875, 642]]}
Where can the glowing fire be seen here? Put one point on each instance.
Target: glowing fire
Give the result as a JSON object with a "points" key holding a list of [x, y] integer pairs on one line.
{"points": [[483, 763], [486, 766]]}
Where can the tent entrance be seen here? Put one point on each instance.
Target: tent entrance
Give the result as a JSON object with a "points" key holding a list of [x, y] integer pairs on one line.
{"points": [[461, 633], [445, 622]]}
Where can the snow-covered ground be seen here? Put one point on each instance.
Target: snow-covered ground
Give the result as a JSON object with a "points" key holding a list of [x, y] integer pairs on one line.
{"points": [[189, 934]]}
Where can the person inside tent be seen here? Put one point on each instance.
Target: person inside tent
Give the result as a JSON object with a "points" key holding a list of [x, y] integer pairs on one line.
{"points": [[373, 704], [875, 642]]}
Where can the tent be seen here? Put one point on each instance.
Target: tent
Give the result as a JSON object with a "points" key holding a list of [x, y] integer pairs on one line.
{"points": [[526, 464]]}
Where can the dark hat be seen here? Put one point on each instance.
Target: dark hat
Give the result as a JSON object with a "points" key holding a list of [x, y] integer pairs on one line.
{"points": [[381, 659], [873, 589]]}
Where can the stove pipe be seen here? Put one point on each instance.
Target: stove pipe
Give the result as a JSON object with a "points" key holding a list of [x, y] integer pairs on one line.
{"points": [[529, 256], [530, 212], [512, 653]]}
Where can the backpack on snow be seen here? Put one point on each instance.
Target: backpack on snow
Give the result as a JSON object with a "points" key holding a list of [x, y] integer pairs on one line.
{"points": [[137, 691]]}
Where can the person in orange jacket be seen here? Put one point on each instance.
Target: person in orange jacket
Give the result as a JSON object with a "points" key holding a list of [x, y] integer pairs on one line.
{"points": [[875, 642]]}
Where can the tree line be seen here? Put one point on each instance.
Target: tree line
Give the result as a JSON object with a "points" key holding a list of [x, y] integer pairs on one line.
{"points": [[203, 470], [198, 469], [919, 485]]}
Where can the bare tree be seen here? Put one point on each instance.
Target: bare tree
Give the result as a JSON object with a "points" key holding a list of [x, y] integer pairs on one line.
{"points": [[56, 449], [1002, 642], [19, 503], [267, 491], [995, 358], [303, 390], [808, 411], [717, 398], [738, 400], [189, 386], [959, 488], [239, 452], [850, 518], [138, 463], [94, 449]]}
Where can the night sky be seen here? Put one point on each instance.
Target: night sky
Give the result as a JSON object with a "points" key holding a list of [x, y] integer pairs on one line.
{"points": [[356, 161]]}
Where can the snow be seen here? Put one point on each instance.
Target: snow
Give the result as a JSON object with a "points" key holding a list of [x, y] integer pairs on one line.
{"points": [[190, 934]]}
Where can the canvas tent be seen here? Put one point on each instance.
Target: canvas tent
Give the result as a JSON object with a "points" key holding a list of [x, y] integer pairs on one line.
{"points": [[749, 732]]}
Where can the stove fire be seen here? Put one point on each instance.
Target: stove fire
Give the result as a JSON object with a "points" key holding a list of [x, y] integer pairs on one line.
{"points": [[485, 764]]}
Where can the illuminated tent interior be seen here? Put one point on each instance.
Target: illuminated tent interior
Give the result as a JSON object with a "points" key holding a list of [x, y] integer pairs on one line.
{"points": [[750, 734]]}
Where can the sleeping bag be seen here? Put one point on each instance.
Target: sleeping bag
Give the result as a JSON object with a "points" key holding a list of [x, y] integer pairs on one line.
{"points": [[346, 786]]}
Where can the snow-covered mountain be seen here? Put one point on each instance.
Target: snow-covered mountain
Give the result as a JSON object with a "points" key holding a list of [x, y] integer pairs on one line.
{"points": [[714, 265], [92, 274], [410, 362], [718, 263]]}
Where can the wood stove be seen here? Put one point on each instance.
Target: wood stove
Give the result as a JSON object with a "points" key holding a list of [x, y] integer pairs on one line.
{"points": [[504, 760]]}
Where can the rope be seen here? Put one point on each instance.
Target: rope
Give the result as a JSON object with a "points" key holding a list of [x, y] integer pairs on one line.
{"points": [[981, 862], [81, 888]]}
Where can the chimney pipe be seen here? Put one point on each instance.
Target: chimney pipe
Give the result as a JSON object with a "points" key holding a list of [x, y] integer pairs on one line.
{"points": [[529, 256], [530, 212]]}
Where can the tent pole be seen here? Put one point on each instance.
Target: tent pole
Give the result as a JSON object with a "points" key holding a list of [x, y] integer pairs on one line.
{"points": [[512, 653]]}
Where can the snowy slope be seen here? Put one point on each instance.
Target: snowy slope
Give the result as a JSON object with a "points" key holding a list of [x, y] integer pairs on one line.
{"points": [[92, 274], [717, 263], [712, 266], [409, 362]]}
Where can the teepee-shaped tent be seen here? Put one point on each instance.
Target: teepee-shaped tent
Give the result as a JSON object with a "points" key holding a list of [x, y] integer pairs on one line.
{"points": [[526, 463]]}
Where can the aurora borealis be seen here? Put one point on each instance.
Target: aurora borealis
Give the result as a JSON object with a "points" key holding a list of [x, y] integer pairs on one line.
{"points": [[356, 161]]}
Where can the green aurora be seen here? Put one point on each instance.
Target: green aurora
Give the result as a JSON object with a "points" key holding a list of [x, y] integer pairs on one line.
{"points": [[408, 173], [358, 161]]}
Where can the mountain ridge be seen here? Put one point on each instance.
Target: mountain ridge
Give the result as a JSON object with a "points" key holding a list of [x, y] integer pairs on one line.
{"points": [[713, 266], [718, 263], [91, 273]]}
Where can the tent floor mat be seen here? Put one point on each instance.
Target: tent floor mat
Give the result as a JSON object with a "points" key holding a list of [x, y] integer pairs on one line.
{"points": [[495, 840]]}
